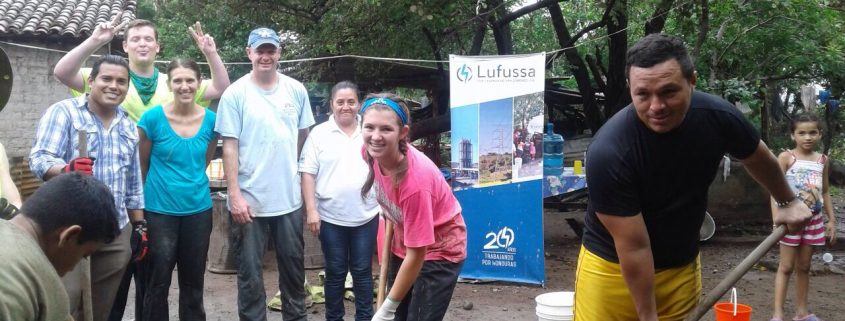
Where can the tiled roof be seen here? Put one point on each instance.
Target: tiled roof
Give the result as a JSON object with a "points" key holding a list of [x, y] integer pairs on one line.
{"points": [[69, 18]]}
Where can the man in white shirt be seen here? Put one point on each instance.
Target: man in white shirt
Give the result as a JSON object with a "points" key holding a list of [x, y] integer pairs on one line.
{"points": [[263, 118]]}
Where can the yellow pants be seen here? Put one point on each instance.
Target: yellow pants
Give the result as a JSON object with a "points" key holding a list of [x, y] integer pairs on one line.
{"points": [[601, 292]]}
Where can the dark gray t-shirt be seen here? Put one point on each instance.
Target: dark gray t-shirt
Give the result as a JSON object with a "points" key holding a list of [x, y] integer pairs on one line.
{"points": [[632, 170]]}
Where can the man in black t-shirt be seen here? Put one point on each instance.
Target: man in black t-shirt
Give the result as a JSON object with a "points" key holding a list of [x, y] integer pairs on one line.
{"points": [[649, 170]]}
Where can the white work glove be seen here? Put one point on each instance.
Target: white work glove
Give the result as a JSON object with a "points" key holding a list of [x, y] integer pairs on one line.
{"points": [[387, 311]]}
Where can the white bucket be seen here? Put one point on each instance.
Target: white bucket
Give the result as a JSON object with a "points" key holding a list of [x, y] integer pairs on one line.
{"points": [[555, 306], [708, 228]]}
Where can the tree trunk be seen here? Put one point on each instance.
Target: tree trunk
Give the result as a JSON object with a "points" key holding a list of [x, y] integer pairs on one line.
{"points": [[655, 23], [501, 31], [598, 76], [703, 29], [829, 119], [765, 118], [478, 38], [578, 68], [778, 108], [617, 96], [430, 126]]}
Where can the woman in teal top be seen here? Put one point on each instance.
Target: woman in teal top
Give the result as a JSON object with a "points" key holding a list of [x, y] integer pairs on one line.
{"points": [[177, 142]]}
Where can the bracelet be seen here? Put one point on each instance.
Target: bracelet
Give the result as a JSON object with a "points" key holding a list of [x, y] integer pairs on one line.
{"points": [[787, 202]]}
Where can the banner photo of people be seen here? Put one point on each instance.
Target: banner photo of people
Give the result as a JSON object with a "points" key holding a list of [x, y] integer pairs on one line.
{"points": [[497, 163]]}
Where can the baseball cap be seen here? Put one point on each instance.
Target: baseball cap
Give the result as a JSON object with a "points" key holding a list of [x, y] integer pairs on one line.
{"points": [[261, 36]]}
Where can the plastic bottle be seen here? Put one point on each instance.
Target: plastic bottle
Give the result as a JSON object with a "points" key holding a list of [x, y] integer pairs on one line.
{"points": [[552, 152]]}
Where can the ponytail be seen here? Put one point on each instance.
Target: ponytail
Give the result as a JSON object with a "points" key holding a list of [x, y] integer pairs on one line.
{"points": [[368, 184]]}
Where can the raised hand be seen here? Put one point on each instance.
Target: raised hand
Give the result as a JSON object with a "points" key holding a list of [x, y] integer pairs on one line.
{"points": [[105, 31], [204, 41]]}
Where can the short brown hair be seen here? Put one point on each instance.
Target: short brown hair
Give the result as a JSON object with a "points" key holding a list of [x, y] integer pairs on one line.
{"points": [[657, 48], [138, 23], [184, 63]]}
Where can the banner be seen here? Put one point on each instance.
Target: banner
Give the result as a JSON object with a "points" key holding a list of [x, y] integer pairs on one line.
{"points": [[497, 163]]}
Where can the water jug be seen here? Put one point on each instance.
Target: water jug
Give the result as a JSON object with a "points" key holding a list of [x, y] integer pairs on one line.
{"points": [[552, 152]]}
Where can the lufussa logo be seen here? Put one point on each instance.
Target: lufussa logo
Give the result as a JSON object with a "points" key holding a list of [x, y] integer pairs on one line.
{"points": [[465, 73]]}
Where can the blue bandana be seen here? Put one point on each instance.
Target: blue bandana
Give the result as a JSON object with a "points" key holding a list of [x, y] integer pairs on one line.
{"points": [[389, 103]]}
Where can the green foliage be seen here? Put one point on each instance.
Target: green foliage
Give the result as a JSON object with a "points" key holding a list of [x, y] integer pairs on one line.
{"points": [[218, 19], [146, 10], [748, 46], [527, 107], [754, 46]]}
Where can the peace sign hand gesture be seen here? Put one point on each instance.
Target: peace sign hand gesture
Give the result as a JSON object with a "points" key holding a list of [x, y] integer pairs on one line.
{"points": [[204, 41], [105, 31]]}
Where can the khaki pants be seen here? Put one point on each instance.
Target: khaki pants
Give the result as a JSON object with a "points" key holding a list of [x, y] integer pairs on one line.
{"points": [[107, 266]]}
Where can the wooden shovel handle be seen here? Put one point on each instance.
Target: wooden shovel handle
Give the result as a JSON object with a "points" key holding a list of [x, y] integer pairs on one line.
{"points": [[385, 260], [736, 274], [87, 304]]}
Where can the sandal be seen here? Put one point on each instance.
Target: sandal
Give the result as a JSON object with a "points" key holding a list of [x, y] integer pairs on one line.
{"points": [[809, 317]]}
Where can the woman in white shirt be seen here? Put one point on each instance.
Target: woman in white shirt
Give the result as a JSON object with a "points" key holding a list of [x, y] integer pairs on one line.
{"points": [[332, 175]]}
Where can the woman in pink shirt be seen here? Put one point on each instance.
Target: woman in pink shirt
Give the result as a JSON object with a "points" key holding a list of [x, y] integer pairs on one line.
{"points": [[429, 243]]}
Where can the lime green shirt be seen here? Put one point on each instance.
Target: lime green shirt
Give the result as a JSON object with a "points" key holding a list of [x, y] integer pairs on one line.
{"points": [[4, 166], [133, 104]]}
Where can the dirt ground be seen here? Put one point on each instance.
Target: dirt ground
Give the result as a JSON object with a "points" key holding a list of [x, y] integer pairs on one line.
{"points": [[494, 301]]}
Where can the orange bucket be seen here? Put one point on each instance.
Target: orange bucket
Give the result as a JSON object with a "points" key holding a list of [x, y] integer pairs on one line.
{"points": [[732, 311]]}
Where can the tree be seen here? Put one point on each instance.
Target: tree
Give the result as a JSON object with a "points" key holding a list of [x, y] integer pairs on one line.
{"points": [[526, 107], [766, 47], [754, 51]]}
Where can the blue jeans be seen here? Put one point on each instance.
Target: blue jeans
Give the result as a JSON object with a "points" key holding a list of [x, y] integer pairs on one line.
{"points": [[349, 249], [250, 243], [183, 241]]}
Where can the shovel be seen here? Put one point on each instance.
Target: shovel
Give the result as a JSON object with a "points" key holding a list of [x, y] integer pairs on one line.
{"points": [[728, 282], [87, 304], [385, 260]]}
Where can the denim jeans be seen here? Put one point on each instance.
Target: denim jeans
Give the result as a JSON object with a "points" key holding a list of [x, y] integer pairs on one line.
{"points": [[349, 249], [250, 243], [183, 241], [429, 297]]}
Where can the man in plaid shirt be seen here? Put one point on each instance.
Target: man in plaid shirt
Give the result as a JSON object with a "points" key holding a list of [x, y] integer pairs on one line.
{"points": [[112, 142]]}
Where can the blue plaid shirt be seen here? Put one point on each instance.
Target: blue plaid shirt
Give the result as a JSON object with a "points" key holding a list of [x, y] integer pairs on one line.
{"points": [[115, 149]]}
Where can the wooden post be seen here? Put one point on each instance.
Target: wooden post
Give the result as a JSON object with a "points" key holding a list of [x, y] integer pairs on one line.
{"points": [[385, 261], [736, 274], [85, 263]]}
